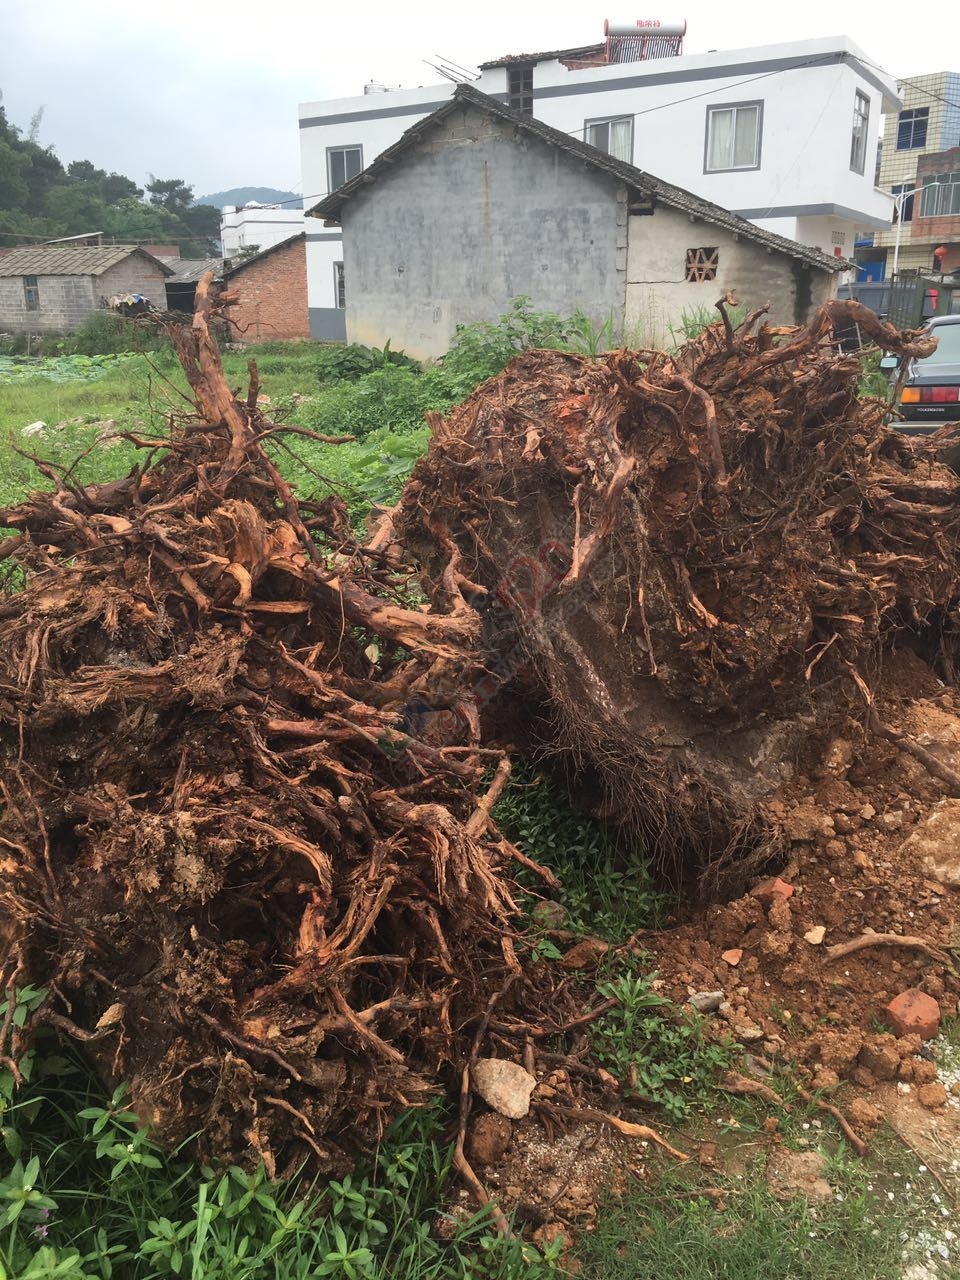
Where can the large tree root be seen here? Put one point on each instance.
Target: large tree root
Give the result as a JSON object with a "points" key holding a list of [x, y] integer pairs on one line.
{"points": [[683, 558], [254, 888]]}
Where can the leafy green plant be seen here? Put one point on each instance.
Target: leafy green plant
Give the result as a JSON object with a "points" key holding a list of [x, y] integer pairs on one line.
{"points": [[607, 888], [661, 1053], [346, 363], [480, 351], [89, 1194], [63, 368], [694, 320]]}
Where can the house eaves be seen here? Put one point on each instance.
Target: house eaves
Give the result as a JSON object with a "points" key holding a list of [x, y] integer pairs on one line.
{"points": [[650, 188]]}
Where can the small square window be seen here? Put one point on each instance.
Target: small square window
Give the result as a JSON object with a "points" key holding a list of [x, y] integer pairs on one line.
{"points": [[343, 163], [338, 286], [702, 264], [733, 137], [615, 137], [31, 293]]}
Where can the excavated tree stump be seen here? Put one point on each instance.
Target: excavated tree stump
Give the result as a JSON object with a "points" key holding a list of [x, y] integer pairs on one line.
{"points": [[687, 567]]}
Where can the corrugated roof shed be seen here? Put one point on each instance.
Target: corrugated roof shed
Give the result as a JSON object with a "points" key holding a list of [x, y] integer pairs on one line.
{"points": [[654, 189], [59, 260]]}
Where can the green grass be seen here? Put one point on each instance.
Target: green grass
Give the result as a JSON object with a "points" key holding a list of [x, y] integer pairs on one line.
{"points": [[661, 1055], [84, 1192], [668, 1228], [608, 891]]}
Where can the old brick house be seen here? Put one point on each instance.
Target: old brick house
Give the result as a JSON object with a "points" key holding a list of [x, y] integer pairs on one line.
{"points": [[55, 288], [271, 289]]}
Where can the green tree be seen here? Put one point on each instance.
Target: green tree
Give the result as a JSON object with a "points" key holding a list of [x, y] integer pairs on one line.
{"points": [[172, 194], [113, 187]]}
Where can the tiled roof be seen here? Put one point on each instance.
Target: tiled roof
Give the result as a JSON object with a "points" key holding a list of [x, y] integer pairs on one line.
{"points": [[511, 59], [59, 260], [654, 189]]}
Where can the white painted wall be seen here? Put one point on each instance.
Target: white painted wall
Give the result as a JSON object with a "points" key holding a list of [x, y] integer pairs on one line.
{"points": [[805, 152], [262, 226]]}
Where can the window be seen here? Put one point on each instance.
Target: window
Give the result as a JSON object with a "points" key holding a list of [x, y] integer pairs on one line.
{"points": [[912, 128], [343, 163], [31, 293], [615, 137], [906, 209], [733, 137], [520, 88], [702, 265], [338, 288], [858, 140], [940, 197]]}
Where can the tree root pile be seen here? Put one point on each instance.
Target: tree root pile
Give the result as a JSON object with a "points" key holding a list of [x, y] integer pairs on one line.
{"points": [[253, 890], [688, 567]]}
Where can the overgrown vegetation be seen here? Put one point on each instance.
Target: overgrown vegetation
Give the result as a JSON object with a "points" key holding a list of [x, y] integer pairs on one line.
{"points": [[86, 1193], [662, 1055]]}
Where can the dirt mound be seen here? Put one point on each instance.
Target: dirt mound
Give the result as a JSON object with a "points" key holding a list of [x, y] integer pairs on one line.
{"points": [[688, 568], [253, 891]]}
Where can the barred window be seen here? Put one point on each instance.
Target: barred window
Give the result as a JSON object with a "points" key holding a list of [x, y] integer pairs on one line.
{"points": [[702, 264]]}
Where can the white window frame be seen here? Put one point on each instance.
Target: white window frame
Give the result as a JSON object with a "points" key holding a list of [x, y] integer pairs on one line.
{"points": [[861, 129], [715, 109], [940, 195], [331, 151], [913, 116], [589, 125], [339, 286]]}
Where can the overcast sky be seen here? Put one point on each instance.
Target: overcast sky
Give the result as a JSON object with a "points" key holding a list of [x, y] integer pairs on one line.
{"points": [[207, 90]]}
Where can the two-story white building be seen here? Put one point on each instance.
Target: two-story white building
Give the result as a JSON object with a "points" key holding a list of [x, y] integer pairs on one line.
{"points": [[253, 227], [784, 135]]}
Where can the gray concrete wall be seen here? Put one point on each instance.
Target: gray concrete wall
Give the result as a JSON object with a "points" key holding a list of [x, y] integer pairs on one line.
{"points": [[134, 275], [658, 293], [328, 324], [65, 302], [469, 220]]}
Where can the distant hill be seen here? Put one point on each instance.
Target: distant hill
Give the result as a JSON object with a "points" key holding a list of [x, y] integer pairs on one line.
{"points": [[241, 195]]}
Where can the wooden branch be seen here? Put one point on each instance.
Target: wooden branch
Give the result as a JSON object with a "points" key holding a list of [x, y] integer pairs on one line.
{"points": [[926, 758], [865, 940]]}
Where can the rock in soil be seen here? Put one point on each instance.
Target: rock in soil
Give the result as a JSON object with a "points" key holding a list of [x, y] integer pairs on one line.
{"points": [[932, 1095], [505, 1086], [913, 1012], [935, 843]]}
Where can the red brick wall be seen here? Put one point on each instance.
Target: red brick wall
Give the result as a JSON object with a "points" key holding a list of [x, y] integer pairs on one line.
{"points": [[272, 295]]}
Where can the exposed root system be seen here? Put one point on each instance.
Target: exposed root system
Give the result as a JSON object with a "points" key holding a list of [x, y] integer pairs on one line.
{"points": [[253, 890], [688, 567]]}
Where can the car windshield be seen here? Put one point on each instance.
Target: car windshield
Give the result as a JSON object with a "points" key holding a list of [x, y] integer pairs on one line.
{"points": [[948, 344]]}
